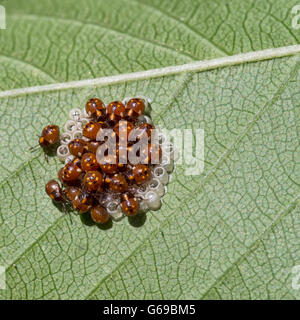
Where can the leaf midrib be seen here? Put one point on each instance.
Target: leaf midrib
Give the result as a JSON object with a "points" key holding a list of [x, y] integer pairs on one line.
{"points": [[197, 66], [221, 159]]}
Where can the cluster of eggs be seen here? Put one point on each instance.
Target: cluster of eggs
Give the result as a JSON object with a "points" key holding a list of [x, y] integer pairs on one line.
{"points": [[110, 188]]}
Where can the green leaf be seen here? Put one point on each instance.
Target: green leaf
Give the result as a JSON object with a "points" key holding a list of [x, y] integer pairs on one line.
{"points": [[65, 40], [233, 231]]}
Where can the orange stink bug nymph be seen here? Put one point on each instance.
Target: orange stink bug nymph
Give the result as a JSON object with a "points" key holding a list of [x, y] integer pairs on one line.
{"points": [[48, 138]]}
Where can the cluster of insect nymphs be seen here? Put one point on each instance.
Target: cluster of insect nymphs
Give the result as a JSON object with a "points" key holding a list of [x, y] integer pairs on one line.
{"points": [[108, 189]]}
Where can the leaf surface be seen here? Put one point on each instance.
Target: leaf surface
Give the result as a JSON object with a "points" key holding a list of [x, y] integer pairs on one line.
{"points": [[232, 232], [63, 40]]}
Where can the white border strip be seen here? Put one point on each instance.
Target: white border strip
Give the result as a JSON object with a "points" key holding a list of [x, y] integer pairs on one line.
{"points": [[154, 73]]}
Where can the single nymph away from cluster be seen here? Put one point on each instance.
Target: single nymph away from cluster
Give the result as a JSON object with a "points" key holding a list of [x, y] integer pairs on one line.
{"points": [[116, 162]]}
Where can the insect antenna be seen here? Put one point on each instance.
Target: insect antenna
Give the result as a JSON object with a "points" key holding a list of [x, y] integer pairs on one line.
{"points": [[34, 148], [66, 211]]}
